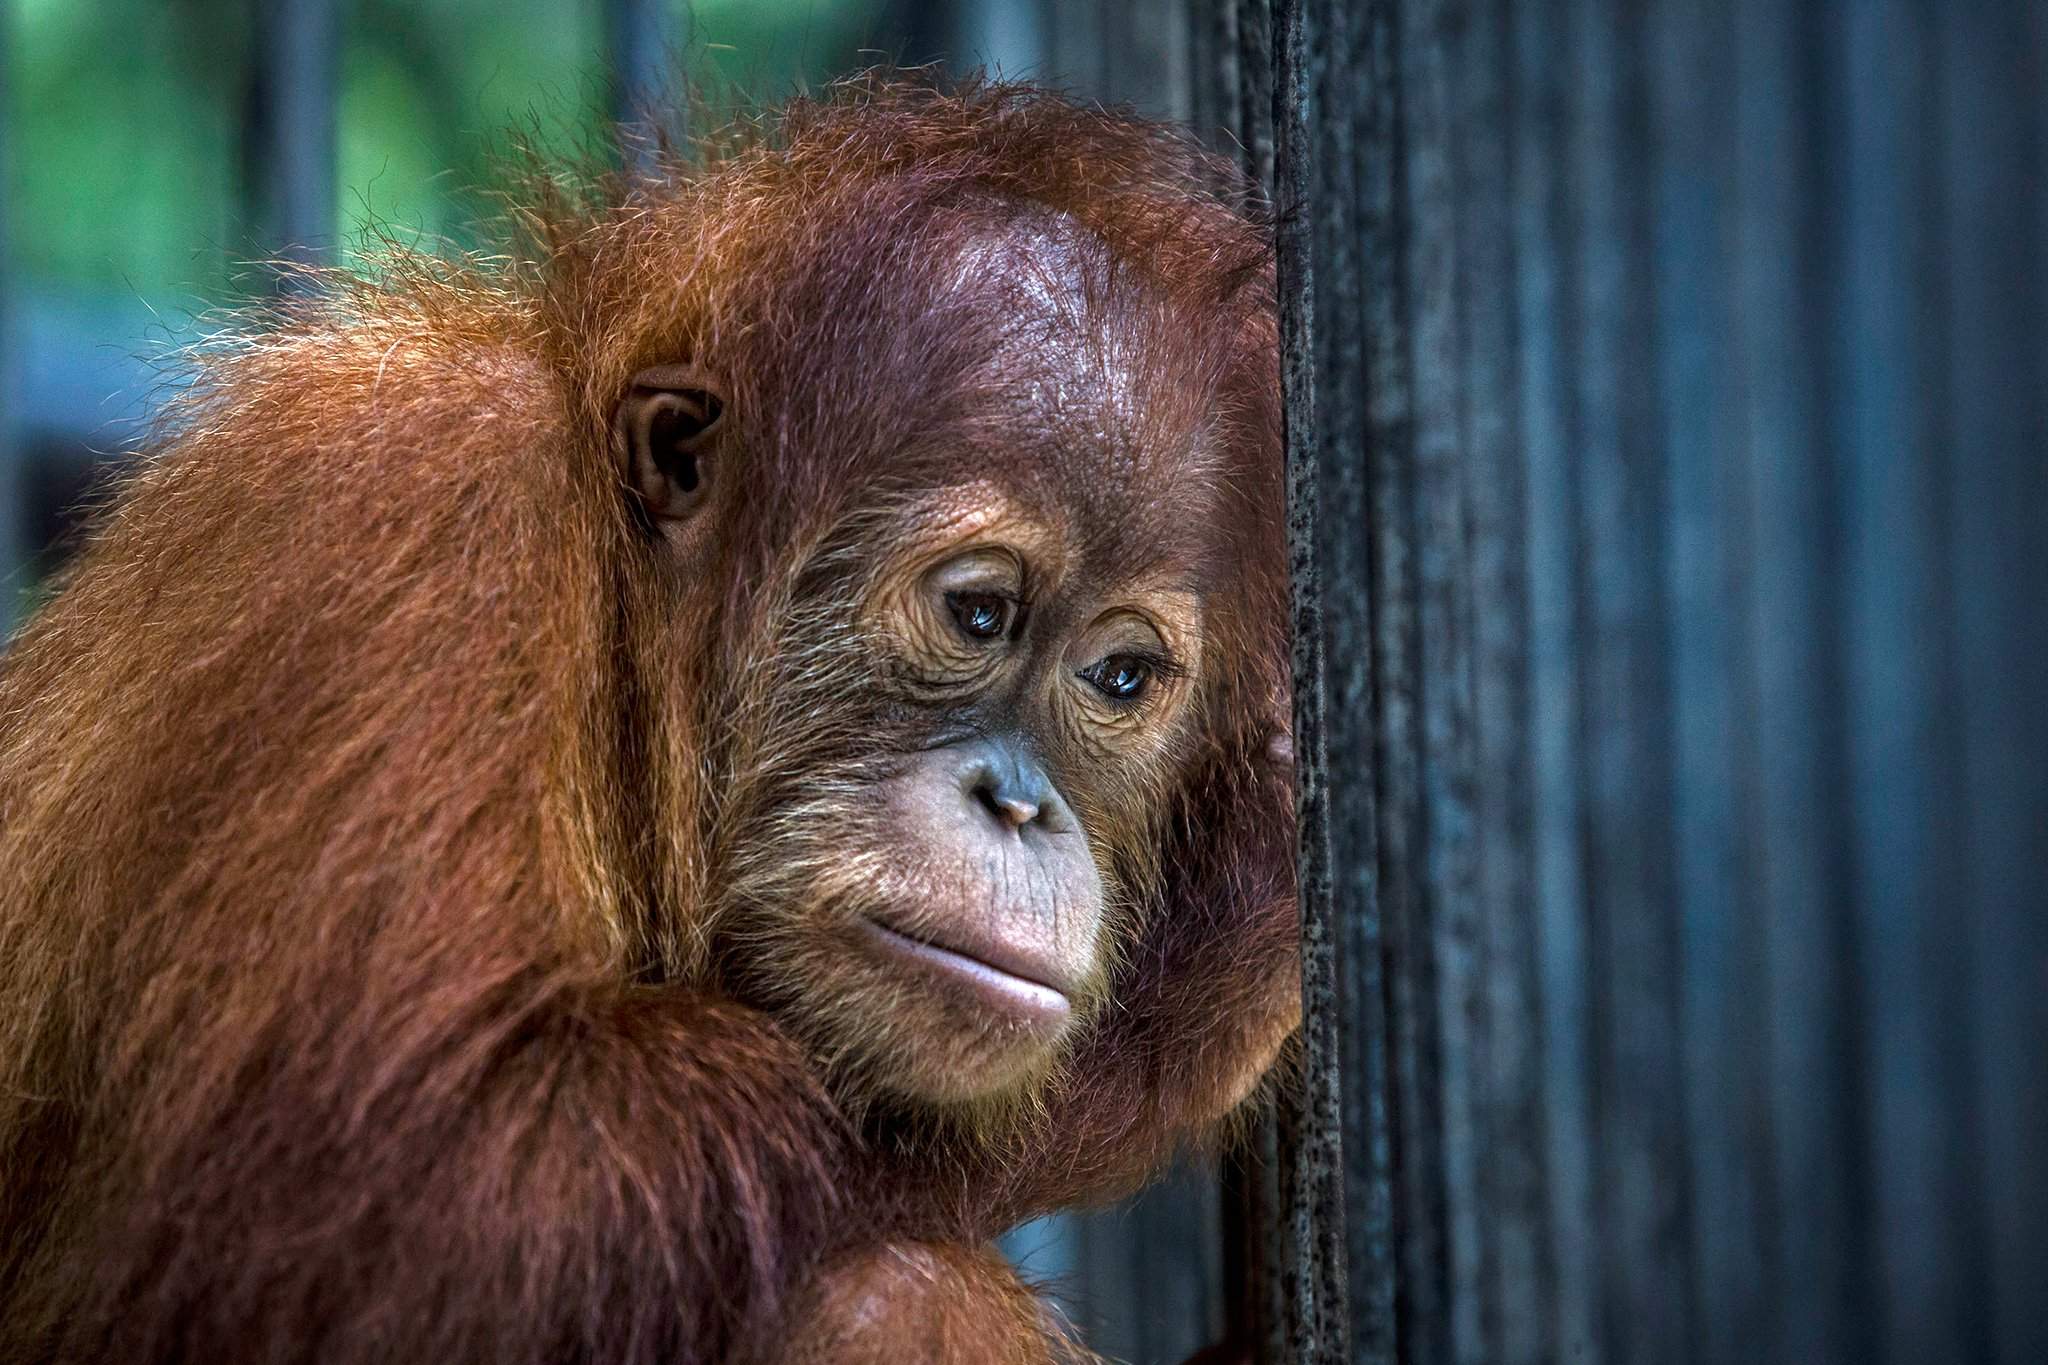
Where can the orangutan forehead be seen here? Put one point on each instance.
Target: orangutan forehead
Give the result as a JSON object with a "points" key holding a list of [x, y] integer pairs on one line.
{"points": [[1001, 345], [1084, 348], [1060, 302], [1090, 416], [1113, 534], [1038, 265]]}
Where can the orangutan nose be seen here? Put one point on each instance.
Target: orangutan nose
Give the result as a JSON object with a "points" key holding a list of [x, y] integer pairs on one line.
{"points": [[1011, 786]]}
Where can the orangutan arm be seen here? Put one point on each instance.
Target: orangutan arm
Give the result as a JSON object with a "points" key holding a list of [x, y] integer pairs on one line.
{"points": [[612, 1177], [535, 1172]]}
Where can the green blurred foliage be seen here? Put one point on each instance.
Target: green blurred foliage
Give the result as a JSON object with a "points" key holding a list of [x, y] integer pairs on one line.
{"points": [[430, 94], [122, 123], [761, 51], [124, 119]]}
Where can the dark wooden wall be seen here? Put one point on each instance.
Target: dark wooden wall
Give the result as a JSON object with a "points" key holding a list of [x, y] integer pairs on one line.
{"points": [[1678, 456]]}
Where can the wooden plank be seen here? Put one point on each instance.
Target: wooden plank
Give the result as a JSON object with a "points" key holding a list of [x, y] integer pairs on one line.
{"points": [[1344, 487], [1994, 62], [1546, 310], [1724, 1029], [1312, 1284], [1513, 1319], [1902, 700]]}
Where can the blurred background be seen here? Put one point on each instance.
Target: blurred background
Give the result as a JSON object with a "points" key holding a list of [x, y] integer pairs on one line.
{"points": [[155, 148], [1681, 418]]}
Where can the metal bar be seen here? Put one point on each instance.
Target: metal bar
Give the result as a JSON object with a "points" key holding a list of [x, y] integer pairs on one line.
{"points": [[288, 132], [1724, 1029], [644, 49], [1624, 718], [1392, 571], [1444, 915], [14, 539], [1548, 347]]}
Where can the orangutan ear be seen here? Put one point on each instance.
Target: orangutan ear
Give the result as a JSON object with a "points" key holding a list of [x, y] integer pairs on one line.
{"points": [[669, 430]]}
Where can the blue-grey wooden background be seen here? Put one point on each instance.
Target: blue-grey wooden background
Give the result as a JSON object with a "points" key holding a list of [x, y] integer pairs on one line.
{"points": [[1682, 436]]}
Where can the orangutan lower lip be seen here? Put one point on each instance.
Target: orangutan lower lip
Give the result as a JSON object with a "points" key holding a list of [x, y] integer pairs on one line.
{"points": [[1002, 984]]}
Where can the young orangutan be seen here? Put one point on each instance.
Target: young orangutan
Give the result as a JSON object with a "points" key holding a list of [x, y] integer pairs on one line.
{"points": [[640, 800]]}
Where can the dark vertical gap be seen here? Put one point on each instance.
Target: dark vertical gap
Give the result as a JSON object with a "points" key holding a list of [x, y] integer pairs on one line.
{"points": [[923, 31], [1746, 1283], [1218, 92], [1271, 1345], [1992, 446], [1254, 131], [1246, 61], [1205, 78], [1947, 920], [1233, 86], [1243, 1308]]}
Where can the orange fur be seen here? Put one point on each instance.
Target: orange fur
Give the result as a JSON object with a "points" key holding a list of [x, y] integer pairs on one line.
{"points": [[377, 806]]}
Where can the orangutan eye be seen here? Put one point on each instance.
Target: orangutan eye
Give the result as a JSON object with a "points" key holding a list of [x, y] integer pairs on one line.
{"points": [[981, 615], [1122, 678]]}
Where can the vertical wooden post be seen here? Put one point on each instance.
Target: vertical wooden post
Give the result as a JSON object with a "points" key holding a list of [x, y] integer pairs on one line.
{"points": [[1312, 1288], [1681, 521], [1332, 1192], [1379, 755]]}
